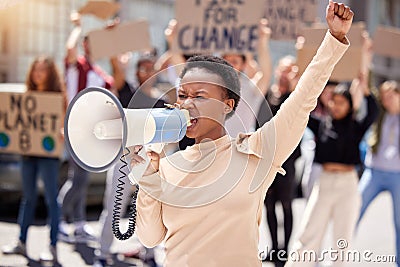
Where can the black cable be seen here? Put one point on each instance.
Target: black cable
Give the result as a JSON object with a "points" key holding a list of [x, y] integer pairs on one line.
{"points": [[117, 204]]}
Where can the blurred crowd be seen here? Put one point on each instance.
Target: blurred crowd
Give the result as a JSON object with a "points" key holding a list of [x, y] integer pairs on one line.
{"points": [[355, 131]]}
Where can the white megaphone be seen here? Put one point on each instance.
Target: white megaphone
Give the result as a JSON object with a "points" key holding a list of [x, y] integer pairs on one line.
{"points": [[97, 129]]}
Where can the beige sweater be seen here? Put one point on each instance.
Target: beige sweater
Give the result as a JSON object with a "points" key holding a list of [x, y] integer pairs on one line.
{"points": [[206, 201]]}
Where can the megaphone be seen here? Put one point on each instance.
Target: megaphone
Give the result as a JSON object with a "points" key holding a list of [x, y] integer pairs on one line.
{"points": [[97, 128]]}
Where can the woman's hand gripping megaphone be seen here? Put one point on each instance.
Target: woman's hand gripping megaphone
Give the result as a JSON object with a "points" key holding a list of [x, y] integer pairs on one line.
{"points": [[148, 156]]}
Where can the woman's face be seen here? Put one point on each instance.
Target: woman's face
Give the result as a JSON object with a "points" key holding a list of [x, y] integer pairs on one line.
{"points": [[326, 94], [145, 71], [390, 100], [40, 74], [207, 102], [286, 76], [339, 107]]}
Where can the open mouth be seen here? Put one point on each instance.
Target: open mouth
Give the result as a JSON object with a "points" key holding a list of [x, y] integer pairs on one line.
{"points": [[192, 123]]}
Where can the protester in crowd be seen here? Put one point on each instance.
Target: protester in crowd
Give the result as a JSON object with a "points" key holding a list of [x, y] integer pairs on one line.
{"points": [[312, 169], [254, 89], [206, 225], [130, 97], [80, 74], [42, 77], [335, 197], [360, 105], [383, 157], [322, 109], [171, 58], [282, 188]]}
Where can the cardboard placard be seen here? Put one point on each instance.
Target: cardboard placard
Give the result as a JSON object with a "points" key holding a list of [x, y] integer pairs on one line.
{"points": [[100, 8], [30, 123], [287, 17], [387, 41], [208, 26], [130, 36], [348, 67]]}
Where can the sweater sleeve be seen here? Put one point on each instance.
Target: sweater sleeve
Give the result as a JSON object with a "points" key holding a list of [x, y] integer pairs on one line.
{"points": [[291, 119], [284, 131], [150, 228]]}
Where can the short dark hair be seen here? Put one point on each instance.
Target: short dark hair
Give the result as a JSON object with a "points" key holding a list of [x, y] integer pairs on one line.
{"points": [[242, 56], [332, 83], [220, 67]]}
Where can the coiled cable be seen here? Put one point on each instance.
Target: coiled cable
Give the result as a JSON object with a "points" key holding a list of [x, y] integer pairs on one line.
{"points": [[117, 203]]}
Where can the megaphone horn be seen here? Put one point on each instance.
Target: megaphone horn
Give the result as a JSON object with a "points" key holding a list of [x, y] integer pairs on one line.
{"points": [[97, 128]]}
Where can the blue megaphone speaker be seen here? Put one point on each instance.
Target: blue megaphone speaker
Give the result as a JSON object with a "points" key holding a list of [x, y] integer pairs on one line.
{"points": [[97, 129]]}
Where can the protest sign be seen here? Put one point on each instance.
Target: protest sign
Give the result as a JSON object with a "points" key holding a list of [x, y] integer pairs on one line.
{"points": [[287, 17], [387, 41], [30, 123], [208, 26], [348, 67], [130, 36], [100, 8]]}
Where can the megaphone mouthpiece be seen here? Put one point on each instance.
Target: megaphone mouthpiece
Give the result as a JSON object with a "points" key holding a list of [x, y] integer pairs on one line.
{"points": [[108, 129], [184, 111], [187, 117]]}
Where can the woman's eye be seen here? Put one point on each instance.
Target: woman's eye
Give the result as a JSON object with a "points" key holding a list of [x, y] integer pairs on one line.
{"points": [[182, 96], [200, 97]]}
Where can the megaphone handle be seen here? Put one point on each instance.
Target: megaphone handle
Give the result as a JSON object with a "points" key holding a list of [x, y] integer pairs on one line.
{"points": [[158, 147], [138, 171]]}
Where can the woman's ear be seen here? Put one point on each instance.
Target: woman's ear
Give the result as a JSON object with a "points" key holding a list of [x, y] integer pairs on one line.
{"points": [[229, 105]]}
